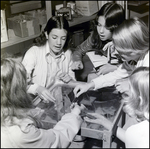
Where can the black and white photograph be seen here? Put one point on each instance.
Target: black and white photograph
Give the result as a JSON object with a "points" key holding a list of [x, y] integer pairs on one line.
{"points": [[74, 74]]}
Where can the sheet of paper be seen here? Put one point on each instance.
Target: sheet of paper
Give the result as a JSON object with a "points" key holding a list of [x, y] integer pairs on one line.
{"points": [[97, 60]]}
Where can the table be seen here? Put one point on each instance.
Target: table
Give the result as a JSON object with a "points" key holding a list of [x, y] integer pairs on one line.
{"points": [[106, 101], [99, 132]]}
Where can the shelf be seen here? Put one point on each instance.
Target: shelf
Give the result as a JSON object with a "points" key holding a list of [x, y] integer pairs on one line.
{"points": [[16, 40], [81, 19], [137, 3]]}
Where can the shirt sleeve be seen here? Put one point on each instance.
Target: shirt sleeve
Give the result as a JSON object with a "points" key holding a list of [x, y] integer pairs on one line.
{"points": [[67, 128], [110, 78], [58, 137], [137, 136], [29, 59], [144, 60], [71, 73], [32, 88], [81, 50], [29, 62], [69, 61]]}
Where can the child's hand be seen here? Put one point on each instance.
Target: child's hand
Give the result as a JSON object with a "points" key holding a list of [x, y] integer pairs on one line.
{"points": [[82, 88], [122, 85], [77, 65], [106, 69], [76, 109], [45, 94], [65, 77], [99, 119]]}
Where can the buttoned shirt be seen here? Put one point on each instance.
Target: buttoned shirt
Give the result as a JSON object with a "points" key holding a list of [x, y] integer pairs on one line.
{"points": [[45, 67]]}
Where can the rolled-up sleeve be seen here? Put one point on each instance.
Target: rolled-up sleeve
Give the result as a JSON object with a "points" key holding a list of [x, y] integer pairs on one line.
{"points": [[110, 78], [29, 60], [58, 137], [66, 129]]}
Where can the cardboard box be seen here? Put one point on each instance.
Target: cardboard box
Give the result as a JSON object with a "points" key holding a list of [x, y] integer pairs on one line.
{"points": [[24, 25], [40, 14], [4, 35], [86, 8]]}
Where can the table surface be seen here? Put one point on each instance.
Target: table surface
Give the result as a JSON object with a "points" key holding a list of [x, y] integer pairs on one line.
{"points": [[106, 101], [109, 105]]}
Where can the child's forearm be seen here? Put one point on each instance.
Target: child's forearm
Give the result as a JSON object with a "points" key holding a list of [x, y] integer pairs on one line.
{"points": [[106, 123], [73, 83]]}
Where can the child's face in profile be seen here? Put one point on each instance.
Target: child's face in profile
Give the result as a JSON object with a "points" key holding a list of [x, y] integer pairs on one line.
{"points": [[57, 38], [103, 32]]}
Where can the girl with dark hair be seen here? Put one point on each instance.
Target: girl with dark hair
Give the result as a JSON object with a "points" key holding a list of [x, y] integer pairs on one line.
{"points": [[109, 17], [49, 59], [19, 129], [131, 40], [54, 22]]}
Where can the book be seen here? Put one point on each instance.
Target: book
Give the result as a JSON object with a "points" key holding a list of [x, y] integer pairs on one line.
{"points": [[97, 60]]}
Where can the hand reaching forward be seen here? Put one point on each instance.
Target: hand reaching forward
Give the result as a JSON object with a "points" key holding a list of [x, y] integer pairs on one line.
{"points": [[77, 65], [76, 109], [65, 77], [99, 119], [45, 94], [82, 88], [106, 69], [122, 85]]}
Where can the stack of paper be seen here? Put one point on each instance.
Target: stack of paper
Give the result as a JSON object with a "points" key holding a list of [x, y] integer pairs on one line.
{"points": [[97, 60]]}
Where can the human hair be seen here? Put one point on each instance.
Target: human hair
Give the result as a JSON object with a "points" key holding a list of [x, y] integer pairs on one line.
{"points": [[131, 36], [54, 22], [137, 101], [16, 56], [14, 96], [114, 15]]}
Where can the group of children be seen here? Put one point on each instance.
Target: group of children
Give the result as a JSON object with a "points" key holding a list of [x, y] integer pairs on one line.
{"points": [[50, 59]]}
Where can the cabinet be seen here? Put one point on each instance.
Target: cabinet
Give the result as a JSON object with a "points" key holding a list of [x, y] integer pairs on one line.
{"points": [[17, 44], [15, 40], [139, 9]]}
